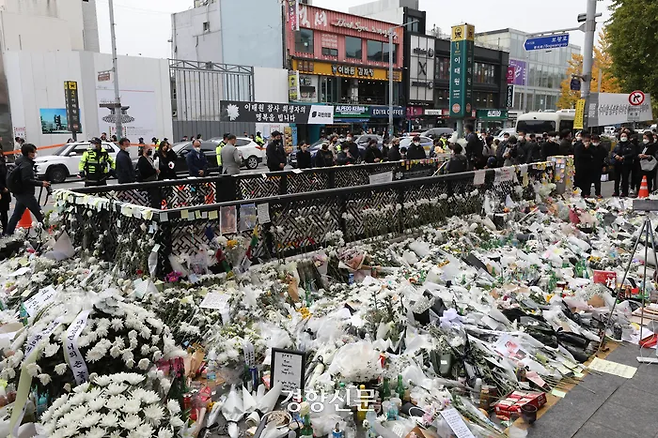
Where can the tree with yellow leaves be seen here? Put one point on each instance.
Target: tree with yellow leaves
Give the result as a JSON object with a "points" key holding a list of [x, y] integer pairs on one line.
{"points": [[602, 67]]}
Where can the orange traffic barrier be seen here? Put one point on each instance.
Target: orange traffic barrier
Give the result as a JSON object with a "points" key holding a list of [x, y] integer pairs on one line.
{"points": [[644, 189], [26, 220]]}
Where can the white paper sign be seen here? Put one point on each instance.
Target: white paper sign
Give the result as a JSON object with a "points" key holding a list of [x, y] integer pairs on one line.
{"points": [[288, 370], [264, 213], [456, 423], [40, 300], [214, 300], [478, 178], [504, 174], [73, 356], [381, 178]]}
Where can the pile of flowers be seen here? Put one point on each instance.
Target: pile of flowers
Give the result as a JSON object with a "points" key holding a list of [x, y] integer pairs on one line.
{"points": [[114, 405]]}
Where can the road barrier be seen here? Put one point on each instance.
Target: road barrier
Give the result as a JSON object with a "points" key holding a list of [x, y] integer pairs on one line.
{"points": [[137, 238]]}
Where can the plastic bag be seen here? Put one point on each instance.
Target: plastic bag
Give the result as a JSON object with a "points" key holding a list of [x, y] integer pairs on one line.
{"points": [[357, 362]]}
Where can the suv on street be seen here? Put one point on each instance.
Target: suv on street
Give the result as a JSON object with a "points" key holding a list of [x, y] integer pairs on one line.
{"points": [[65, 161]]}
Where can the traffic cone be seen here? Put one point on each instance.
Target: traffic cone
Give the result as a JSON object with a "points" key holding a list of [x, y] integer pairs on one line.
{"points": [[644, 189], [26, 220]]}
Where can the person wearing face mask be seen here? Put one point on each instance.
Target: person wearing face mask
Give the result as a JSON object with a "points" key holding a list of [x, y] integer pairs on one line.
{"points": [[600, 155], [124, 167], [351, 150], [197, 163], [147, 171], [566, 146], [624, 158], [394, 152], [647, 158], [584, 161], [96, 164], [167, 161], [474, 148], [373, 154], [324, 157], [276, 154], [416, 151], [303, 157], [458, 161], [550, 147]]}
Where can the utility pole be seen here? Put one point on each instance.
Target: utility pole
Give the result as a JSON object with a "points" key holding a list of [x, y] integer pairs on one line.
{"points": [[117, 97], [588, 53]]}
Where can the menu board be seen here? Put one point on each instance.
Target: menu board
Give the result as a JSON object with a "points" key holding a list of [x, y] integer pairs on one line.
{"points": [[288, 368]]}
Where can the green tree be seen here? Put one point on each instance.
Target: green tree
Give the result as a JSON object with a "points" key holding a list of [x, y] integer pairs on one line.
{"points": [[633, 38]]}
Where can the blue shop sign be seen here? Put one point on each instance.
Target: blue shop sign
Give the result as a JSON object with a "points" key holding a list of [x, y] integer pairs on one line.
{"points": [[382, 111]]}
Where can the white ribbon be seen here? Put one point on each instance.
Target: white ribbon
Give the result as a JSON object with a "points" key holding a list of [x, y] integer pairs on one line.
{"points": [[71, 351]]}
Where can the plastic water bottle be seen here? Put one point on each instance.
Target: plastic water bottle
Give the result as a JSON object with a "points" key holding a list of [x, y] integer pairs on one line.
{"points": [[211, 367]]}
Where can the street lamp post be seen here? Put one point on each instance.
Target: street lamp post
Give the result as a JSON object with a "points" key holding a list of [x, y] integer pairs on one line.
{"points": [[390, 74]]}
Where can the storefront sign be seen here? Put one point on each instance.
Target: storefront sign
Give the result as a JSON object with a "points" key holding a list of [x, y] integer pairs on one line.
{"points": [[351, 111], [520, 71], [72, 106], [264, 112], [433, 112], [511, 72], [462, 59], [421, 69], [293, 12], [344, 70], [509, 98], [293, 85], [414, 111], [329, 40], [359, 27], [495, 114], [382, 111]]}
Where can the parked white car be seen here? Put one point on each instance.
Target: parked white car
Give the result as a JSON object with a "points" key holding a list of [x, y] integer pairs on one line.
{"points": [[252, 154], [64, 163]]}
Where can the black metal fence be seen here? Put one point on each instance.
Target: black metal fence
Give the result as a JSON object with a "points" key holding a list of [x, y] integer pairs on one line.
{"points": [[189, 192], [298, 223]]}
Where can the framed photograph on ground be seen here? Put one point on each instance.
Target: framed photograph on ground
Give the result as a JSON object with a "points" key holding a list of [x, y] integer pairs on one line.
{"points": [[289, 369]]}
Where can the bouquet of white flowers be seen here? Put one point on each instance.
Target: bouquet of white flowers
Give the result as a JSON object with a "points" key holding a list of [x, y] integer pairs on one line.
{"points": [[116, 405]]}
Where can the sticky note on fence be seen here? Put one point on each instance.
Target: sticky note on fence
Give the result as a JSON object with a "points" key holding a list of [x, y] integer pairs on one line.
{"points": [[478, 178]]}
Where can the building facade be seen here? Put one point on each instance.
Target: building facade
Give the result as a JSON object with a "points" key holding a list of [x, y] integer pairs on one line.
{"points": [[538, 74]]}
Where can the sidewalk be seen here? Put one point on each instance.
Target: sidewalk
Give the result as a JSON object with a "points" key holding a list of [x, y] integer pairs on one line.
{"points": [[620, 408]]}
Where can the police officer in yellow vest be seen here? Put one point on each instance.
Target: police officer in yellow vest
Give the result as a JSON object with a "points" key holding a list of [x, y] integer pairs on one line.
{"points": [[218, 152], [260, 141], [96, 164]]}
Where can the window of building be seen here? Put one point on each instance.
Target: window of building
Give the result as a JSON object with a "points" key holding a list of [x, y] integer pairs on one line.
{"points": [[386, 50], [206, 26], [329, 52], [375, 51], [414, 27], [442, 71], [484, 74], [353, 48], [304, 41]]}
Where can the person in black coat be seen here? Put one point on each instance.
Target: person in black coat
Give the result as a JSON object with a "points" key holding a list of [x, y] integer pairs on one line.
{"points": [[648, 150], [566, 145], [624, 156], [166, 161], [351, 150], [394, 151], [124, 164], [373, 154], [474, 147], [458, 162], [600, 156], [303, 157], [585, 160], [532, 150], [324, 157], [147, 172], [416, 151], [550, 147], [5, 196], [276, 154]]}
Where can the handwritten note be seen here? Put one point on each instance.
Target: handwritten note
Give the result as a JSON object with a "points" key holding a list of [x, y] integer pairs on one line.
{"points": [[214, 300], [381, 178], [456, 423], [288, 369], [614, 368], [478, 178], [39, 300], [504, 174], [264, 213]]}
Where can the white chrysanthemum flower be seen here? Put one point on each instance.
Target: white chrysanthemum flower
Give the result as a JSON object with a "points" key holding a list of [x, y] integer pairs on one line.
{"points": [[144, 364], [145, 350], [50, 350], [143, 431], [117, 324], [157, 356], [131, 407], [94, 356], [173, 407], [96, 404], [7, 374], [145, 332], [59, 403], [131, 422], [165, 384], [33, 369], [115, 351], [130, 364], [44, 379], [83, 341], [110, 420], [114, 403], [61, 369], [154, 414], [95, 432], [81, 388], [165, 433], [150, 397], [78, 413], [68, 430], [176, 422], [102, 380], [119, 343], [116, 388], [77, 399], [127, 355], [132, 334], [90, 420]]}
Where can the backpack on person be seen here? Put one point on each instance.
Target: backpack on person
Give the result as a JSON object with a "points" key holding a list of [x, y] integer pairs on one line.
{"points": [[14, 180]]}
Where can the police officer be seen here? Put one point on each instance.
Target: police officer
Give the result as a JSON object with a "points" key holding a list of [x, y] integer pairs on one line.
{"points": [[218, 152], [96, 164], [259, 139]]}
